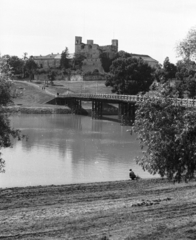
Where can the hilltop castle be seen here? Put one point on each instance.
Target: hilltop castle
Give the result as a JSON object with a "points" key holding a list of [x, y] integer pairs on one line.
{"points": [[92, 53]]}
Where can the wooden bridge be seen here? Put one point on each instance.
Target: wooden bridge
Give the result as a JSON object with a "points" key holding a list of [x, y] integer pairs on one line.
{"points": [[126, 104]]}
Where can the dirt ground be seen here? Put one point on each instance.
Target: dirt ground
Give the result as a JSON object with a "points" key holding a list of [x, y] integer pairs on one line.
{"points": [[143, 209]]}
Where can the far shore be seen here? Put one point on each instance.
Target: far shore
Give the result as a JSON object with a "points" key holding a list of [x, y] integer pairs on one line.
{"points": [[37, 109], [51, 109]]}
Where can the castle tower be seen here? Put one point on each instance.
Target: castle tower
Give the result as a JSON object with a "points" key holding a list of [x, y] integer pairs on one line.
{"points": [[115, 43], [78, 42], [90, 42]]}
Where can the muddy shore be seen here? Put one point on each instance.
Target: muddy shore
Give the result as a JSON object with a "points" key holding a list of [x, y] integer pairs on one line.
{"points": [[143, 209]]}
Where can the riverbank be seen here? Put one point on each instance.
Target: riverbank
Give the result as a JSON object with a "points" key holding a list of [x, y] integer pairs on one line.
{"points": [[36, 110], [32, 98], [54, 109], [143, 209]]}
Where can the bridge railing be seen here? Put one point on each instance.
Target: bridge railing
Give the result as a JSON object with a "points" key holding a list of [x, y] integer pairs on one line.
{"points": [[128, 98], [133, 98]]}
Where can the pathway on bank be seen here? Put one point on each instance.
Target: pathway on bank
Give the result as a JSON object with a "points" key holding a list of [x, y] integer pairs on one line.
{"points": [[31, 94]]}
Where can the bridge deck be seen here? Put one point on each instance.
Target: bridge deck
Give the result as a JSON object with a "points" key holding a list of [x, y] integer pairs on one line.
{"points": [[114, 98]]}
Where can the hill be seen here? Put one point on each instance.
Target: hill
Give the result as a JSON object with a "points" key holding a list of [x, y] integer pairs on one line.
{"points": [[32, 93]]}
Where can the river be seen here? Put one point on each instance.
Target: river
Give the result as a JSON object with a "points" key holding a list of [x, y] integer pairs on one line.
{"points": [[66, 149]]}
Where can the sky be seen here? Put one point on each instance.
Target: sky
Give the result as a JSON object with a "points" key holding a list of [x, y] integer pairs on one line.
{"points": [[41, 27]]}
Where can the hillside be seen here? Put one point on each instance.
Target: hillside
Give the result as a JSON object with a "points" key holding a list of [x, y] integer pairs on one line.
{"points": [[32, 93]]}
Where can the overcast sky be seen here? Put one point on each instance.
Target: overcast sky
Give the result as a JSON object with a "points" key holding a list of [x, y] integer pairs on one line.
{"points": [[151, 27]]}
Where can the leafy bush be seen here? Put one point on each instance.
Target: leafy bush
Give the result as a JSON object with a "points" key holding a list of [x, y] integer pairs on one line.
{"points": [[167, 132]]}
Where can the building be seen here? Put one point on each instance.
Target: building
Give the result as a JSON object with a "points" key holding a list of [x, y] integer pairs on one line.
{"points": [[152, 62], [48, 61], [92, 53]]}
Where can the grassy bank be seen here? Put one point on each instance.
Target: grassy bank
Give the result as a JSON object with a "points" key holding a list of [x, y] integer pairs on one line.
{"points": [[144, 209], [33, 94], [32, 98]]}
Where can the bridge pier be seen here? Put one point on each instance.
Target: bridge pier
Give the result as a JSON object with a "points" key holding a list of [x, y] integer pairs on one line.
{"points": [[75, 105], [97, 109], [126, 113]]}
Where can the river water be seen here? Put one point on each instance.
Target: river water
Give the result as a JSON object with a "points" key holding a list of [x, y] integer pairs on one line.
{"points": [[64, 149]]}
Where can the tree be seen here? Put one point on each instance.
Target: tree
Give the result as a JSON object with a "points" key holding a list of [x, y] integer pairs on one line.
{"points": [[168, 134], [185, 69], [30, 68], [51, 76], [166, 72], [169, 69], [25, 56], [6, 132], [16, 64], [186, 78], [187, 47], [78, 61], [106, 61], [129, 75], [65, 59]]}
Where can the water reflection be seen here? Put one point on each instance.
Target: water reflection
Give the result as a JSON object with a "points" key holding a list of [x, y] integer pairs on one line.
{"points": [[64, 149]]}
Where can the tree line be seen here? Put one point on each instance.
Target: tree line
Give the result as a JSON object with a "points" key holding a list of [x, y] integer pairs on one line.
{"points": [[26, 67]]}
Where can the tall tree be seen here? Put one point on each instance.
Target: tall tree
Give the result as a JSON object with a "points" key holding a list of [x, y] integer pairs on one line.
{"points": [[30, 67], [65, 59], [129, 75], [187, 47], [169, 69], [165, 72], [186, 79], [6, 132], [16, 64]]}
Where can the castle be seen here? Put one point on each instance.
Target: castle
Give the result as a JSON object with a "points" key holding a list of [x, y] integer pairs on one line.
{"points": [[92, 53]]}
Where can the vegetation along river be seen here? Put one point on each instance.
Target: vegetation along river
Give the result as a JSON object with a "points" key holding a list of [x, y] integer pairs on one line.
{"points": [[64, 149]]}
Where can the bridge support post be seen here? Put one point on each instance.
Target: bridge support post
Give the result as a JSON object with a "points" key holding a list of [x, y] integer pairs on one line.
{"points": [[97, 109], [119, 111], [127, 113], [76, 106]]}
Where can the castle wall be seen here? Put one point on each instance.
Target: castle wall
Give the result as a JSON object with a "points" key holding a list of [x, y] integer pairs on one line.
{"points": [[92, 53]]}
